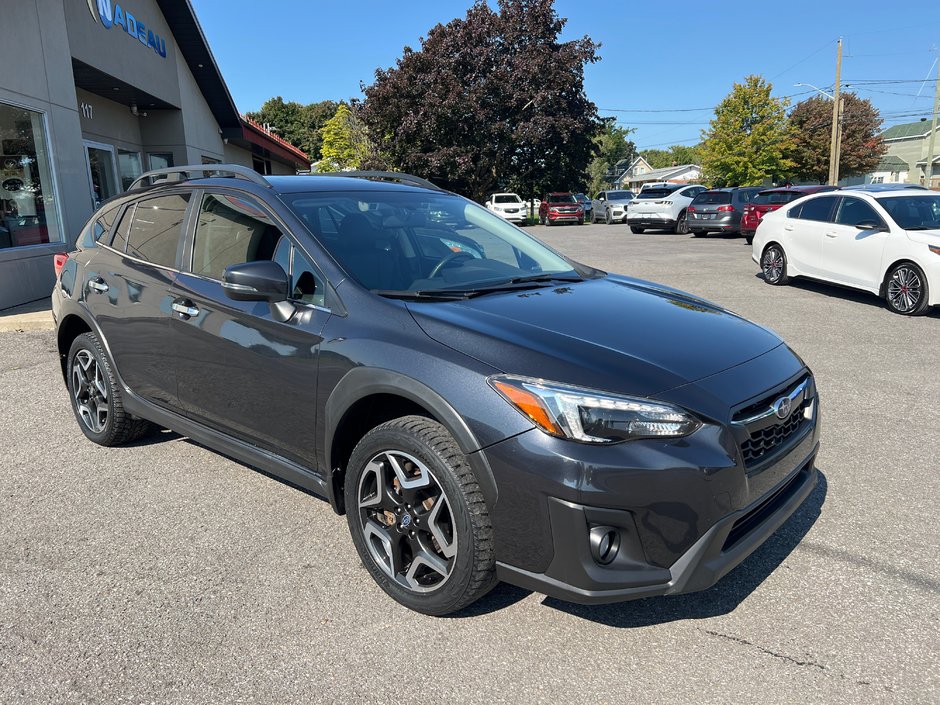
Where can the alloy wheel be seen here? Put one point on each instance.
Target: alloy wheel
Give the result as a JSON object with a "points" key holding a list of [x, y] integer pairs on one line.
{"points": [[90, 391], [772, 264], [682, 227], [407, 521], [905, 289]]}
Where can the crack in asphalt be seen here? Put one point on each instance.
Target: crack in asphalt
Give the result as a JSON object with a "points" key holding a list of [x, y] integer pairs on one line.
{"points": [[769, 652]]}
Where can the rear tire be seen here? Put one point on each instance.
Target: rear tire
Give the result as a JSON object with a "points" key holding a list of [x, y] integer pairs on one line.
{"points": [[418, 518], [699, 233], [749, 239], [97, 398], [682, 224], [773, 264]]}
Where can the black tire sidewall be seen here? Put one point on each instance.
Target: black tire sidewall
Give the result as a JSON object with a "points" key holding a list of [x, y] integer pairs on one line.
{"points": [[783, 255], [89, 342], [451, 595]]}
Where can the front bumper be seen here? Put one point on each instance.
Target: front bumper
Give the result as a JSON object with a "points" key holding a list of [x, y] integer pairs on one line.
{"points": [[683, 513], [565, 217], [518, 217]]}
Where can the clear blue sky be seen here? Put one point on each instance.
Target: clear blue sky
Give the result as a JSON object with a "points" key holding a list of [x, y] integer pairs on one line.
{"points": [[671, 56]]}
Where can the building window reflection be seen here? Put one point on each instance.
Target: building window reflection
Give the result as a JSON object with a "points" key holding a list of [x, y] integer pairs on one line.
{"points": [[27, 197]]}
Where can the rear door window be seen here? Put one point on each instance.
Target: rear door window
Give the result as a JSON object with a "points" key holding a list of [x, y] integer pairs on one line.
{"points": [[155, 232], [818, 209]]}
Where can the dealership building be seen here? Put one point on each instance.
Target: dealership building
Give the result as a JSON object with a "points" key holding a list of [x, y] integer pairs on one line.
{"points": [[94, 93]]}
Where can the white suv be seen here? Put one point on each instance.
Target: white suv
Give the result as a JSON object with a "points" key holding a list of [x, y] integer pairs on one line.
{"points": [[509, 206], [662, 207]]}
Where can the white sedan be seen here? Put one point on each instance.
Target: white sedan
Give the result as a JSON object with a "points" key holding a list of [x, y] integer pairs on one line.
{"points": [[885, 241], [509, 206]]}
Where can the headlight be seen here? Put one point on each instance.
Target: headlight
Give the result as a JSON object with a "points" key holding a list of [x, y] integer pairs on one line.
{"points": [[590, 416]]}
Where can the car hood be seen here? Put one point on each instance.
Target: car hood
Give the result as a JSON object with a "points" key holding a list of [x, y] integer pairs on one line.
{"points": [[925, 237], [613, 333]]}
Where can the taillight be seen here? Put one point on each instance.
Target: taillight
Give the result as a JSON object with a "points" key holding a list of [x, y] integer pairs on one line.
{"points": [[725, 209], [690, 209], [58, 261]]}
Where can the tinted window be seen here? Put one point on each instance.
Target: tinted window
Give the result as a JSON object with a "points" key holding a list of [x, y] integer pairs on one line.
{"points": [[306, 282], [156, 229], [656, 193], [744, 195], [921, 212], [119, 239], [692, 192], [620, 195], [231, 230], [775, 197], [98, 230], [561, 198], [853, 211], [506, 198], [815, 209], [713, 197]]}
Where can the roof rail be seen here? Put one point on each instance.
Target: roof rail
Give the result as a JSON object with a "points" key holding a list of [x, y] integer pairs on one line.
{"points": [[384, 176], [184, 174]]}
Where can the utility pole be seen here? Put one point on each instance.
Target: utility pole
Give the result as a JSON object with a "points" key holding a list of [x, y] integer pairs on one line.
{"points": [[928, 170], [836, 138]]}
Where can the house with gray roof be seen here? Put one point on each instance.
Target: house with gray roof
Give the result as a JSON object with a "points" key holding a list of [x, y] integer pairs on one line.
{"points": [[639, 173], [906, 158]]}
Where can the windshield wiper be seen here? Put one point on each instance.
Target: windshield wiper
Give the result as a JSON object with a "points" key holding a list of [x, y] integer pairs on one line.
{"points": [[424, 294], [545, 278], [923, 227]]}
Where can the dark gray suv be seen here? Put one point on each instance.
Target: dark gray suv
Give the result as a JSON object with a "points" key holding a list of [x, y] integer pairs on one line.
{"points": [[480, 407]]}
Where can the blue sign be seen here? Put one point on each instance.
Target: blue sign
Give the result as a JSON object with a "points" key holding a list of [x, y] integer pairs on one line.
{"points": [[119, 17]]}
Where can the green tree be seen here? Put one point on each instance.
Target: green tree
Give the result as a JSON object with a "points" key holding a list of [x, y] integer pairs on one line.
{"points": [[675, 155], [492, 99], [612, 146], [749, 138], [862, 145], [297, 123], [345, 143]]}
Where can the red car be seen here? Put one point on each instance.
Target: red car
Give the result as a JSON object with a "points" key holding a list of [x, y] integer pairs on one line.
{"points": [[770, 200], [560, 208]]}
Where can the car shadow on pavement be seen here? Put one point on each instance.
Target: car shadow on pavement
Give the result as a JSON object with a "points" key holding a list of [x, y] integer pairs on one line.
{"points": [[835, 291], [162, 435], [719, 599]]}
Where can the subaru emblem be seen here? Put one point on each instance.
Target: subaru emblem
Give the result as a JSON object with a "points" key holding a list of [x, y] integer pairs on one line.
{"points": [[782, 407]]}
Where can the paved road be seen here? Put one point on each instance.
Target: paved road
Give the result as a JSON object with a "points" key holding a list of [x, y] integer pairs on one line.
{"points": [[165, 573]]}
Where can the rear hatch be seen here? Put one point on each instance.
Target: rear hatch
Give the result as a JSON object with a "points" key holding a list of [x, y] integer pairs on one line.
{"points": [[653, 200], [765, 203], [711, 205]]}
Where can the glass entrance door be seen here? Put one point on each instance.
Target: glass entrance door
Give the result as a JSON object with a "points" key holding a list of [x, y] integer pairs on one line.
{"points": [[102, 176]]}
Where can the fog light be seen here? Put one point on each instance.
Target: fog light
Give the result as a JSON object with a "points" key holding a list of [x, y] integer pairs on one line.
{"points": [[605, 543]]}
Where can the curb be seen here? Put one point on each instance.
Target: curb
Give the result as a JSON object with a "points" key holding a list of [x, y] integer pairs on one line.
{"points": [[39, 320]]}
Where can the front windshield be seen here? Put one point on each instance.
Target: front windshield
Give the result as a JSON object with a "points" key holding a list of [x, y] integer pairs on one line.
{"points": [[419, 242], [506, 198], [913, 212], [561, 198]]}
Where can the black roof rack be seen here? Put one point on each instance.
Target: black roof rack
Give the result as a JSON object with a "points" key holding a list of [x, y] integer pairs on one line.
{"points": [[384, 176], [184, 173]]}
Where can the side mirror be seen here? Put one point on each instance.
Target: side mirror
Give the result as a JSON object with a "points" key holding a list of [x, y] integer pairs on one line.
{"points": [[255, 281], [871, 225]]}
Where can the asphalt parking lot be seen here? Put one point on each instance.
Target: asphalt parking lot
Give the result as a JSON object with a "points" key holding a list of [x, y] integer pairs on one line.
{"points": [[166, 573]]}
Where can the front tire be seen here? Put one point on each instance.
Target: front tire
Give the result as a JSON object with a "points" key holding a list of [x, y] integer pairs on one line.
{"points": [[97, 398], [607, 218], [906, 290], [773, 264], [638, 231], [418, 518]]}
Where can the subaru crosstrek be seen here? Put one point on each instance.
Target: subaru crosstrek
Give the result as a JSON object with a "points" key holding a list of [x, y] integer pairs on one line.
{"points": [[452, 385]]}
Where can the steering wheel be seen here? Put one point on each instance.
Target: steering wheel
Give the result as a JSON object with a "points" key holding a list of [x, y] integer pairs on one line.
{"points": [[445, 260]]}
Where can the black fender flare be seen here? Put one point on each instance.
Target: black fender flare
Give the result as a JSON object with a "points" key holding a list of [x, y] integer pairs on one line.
{"points": [[361, 382]]}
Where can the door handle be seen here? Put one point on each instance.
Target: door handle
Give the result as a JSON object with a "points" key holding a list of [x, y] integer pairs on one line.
{"points": [[832, 234], [98, 285], [185, 308], [788, 227]]}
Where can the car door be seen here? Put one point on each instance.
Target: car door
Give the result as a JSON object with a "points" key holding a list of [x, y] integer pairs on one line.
{"points": [[852, 254], [240, 368], [127, 291], [804, 228]]}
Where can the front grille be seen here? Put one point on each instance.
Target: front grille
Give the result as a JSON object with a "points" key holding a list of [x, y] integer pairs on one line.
{"points": [[766, 433], [767, 440]]}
